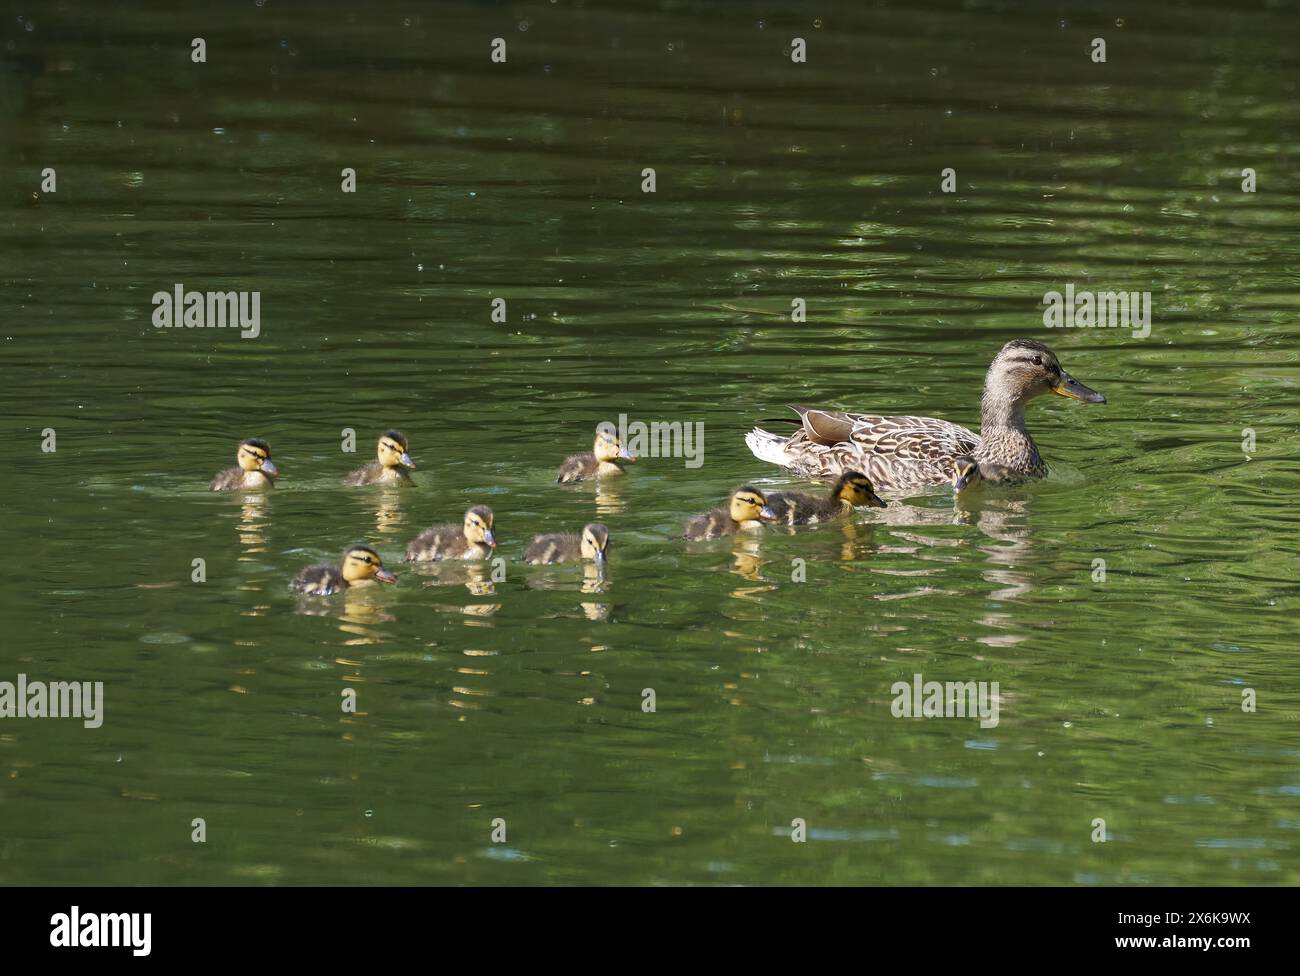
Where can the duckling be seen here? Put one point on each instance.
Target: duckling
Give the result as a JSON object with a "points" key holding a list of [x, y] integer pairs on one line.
{"points": [[601, 462], [852, 489], [563, 546], [967, 472], [746, 508], [474, 539], [391, 466], [360, 566], [254, 469]]}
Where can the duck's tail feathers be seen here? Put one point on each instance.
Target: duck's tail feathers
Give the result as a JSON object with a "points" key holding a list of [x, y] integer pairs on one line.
{"points": [[767, 447]]}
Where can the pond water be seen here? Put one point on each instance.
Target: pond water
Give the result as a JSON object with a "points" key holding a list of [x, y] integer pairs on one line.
{"points": [[521, 699]]}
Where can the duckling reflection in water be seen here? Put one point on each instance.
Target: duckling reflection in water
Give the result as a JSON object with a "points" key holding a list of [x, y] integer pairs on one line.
{"points": [[254, 468], [590, 549], [602, 462], [360, 566], [852, 489], [474, 538], [594, 579], [252, 524], [561, 547], [475, 612], [745, 509], [595, 611], [609, 497], [355, 611], [475, 576], [479, 583], [390, 518], [746, 557], [390, 465]]}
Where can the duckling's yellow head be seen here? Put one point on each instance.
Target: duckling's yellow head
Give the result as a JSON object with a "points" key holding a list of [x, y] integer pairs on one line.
{"points": [[254, 454], [392, 450], [748, 504], [363, 563], [608, 447], [478, 526], [856, 488], [595, 542]]}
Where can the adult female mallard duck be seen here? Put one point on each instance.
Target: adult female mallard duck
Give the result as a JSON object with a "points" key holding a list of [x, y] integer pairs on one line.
{"points": [[851, 490], [745, 509], [561, 547], [472, 539], [359, 566], [390, 468], [905, 453], [254, 469], [602, 462]]}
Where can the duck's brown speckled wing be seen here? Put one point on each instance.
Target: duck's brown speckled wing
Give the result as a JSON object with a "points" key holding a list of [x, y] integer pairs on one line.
{"points": [[896, 453]]}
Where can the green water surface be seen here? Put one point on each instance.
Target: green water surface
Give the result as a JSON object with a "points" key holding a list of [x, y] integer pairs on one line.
{"points": [[522, 699]]}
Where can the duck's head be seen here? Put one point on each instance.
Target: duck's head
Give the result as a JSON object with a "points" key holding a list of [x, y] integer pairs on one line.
{"points": [[1025, 368], [478, 526], [608, 447], [856, 488], [748, 504], [595, 542], [254, 454], [363, 563], [392, 450]]}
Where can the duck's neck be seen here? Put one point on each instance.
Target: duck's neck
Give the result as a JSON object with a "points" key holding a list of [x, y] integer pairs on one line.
{"points": [[999, 411], [1003, 437]]}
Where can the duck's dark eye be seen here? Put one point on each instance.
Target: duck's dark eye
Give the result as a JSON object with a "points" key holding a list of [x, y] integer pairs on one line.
{"points": [[1038, 360]]}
